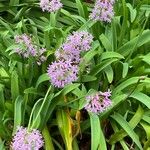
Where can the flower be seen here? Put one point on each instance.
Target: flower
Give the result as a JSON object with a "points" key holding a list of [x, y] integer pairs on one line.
{"points": [[80, 40], [75, 43], [27, 140], [103, 11], [27, 48], [65, 70], [62, 73], [98, 102], [66, 52], [50, 5]]}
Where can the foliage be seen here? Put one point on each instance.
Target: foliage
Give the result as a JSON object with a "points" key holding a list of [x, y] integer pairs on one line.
{"points": [[118, 60]]}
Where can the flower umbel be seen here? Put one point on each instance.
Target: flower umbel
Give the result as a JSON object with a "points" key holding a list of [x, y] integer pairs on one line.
{"points": [[62, 73], [50, 5], [27, 48], [98, 102], [65, 70], [103, 11], [67, 53], [80, 40], [25, 140], [74, 45]]}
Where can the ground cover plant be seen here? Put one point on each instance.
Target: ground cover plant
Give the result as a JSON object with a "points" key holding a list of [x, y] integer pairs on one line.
{"points": [[75, 74]]}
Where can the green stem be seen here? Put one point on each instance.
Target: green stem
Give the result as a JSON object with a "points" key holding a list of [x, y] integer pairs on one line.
{"points": [[38, 114], [30, 119]]}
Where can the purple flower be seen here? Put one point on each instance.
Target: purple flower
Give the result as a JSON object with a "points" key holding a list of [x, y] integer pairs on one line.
{"points": [[62, 73], [27, 140], [80, 40], [50, 5], [65, 70], [27, 48], [103, 11], [76, 43], [67, 53], [98, 102]]}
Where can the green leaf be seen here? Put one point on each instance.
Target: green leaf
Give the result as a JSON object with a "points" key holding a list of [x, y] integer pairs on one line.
{"points": [[64, 123], [117, 100], [40, 112], [2, 147], [125, 69], [18, 112], [114, 33], [80, 8], [107, 55], [87, 25], [119, 135], [109, 73], [146, 118], [147, 130], [14, 2], [35, 119], [47, 39], [32, 90], [145, 7], [69, 88], [88, 78], [14, 85], [133, 12], [6, 25], [95, 132], [47, 139], [126, 126], [146, 59], [124, 22], [52, 19], [42, 78], [129, 47], [143, 98], [122, 142], [75, 144], [146, 127], [102, 144], [125, 84], [89, 55], [106, 43], [98, 68], [2, 99]]}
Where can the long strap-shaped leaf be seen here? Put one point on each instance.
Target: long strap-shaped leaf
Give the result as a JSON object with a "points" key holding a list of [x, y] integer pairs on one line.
{"points": [[97, 137], [64, 123], [143, 98], [80, 8], [18, 113], [47, 139], [126, 126], [133, 123]]}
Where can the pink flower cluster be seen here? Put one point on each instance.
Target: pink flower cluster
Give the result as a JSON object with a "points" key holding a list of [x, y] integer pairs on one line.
{"points": [[98, 102], [25, 140], [50, 5], [26, 48], [62, 73], [65, 70], [76, 43], [103, 11]]}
